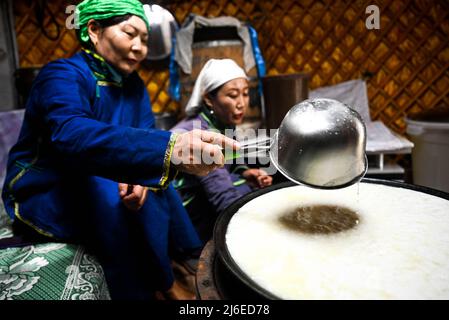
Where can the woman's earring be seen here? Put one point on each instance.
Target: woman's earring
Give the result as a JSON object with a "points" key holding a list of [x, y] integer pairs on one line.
{"points": [[209, 105]]}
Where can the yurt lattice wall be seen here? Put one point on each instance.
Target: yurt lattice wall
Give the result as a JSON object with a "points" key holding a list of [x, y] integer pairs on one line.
{"points": [[407, 59]]}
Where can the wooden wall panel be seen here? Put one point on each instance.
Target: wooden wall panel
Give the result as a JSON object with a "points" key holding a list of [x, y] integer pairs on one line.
{"points": [[408, 57]]}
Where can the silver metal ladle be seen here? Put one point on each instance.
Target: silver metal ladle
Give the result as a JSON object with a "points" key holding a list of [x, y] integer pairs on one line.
{"points": [[320, 143]]}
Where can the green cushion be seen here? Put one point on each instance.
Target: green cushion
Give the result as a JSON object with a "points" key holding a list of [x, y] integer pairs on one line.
{"points": [[50, 271], [5, 222]]}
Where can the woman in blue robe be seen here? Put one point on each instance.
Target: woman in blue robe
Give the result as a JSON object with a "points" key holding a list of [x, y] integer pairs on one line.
{"points": [[89, 167]]}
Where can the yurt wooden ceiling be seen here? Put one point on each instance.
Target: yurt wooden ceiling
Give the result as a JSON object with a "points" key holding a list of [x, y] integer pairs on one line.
{"points": [[406, 61]]}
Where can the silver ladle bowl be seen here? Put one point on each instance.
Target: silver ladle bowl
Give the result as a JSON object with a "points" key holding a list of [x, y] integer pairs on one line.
{"points": [[321, 143]]}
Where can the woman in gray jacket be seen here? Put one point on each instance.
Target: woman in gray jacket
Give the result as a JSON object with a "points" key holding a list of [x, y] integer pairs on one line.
{"points": [[219, 101]]}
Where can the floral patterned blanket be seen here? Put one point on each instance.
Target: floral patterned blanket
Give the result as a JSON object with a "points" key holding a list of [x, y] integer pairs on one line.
{"points": [[49, 271]]}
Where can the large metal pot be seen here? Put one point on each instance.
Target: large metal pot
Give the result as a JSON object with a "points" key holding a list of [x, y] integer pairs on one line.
{"points": [[221, 227], [163, 26]]}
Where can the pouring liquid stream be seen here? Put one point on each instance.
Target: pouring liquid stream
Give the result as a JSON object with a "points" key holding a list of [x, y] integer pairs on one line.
{"points": [[358, 192]]}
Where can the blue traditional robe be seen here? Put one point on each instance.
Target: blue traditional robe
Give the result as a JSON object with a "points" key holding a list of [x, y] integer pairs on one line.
{"points": [[86, 128]]}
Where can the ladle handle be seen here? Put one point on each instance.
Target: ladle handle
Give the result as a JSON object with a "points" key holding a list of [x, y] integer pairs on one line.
{"points": [[254, 147], [258, 142], [236, 154]]}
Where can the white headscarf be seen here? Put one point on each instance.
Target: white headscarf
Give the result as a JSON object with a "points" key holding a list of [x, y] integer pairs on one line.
{"points": [[215, 73]]}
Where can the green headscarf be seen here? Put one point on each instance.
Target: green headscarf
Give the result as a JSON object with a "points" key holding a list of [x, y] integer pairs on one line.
{"points": [[104, 9]]}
